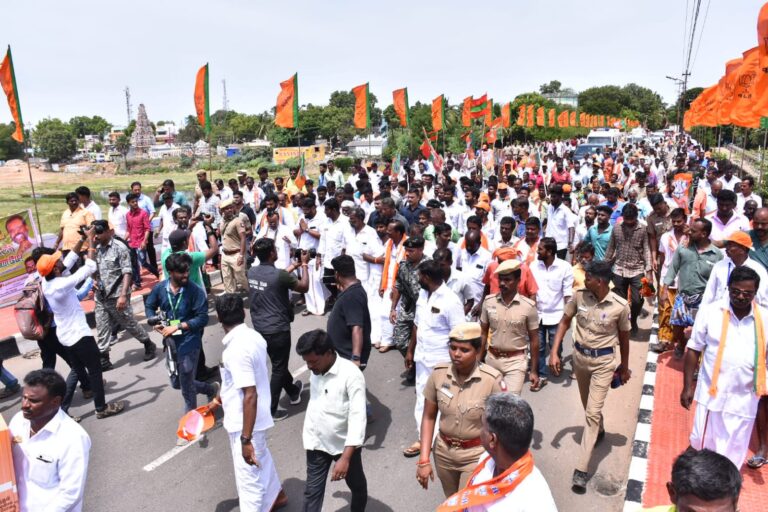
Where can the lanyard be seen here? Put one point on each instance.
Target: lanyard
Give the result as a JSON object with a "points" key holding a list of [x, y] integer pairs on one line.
{"points": [[174, 307]]}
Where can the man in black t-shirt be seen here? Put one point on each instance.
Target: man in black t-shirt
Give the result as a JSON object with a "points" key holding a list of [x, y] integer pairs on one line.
{"points": [[272, 314], [349, 324]]}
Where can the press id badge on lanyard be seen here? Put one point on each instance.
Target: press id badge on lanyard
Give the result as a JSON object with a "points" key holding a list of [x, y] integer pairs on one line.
{"points": [[174, 306]]}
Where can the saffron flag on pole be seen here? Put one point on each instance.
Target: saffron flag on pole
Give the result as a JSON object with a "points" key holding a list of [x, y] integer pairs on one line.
{"points": [[362, 111], [572, 120], [551, 118], [761, 87], [466, 111], [8, 81], [506, 114], [529, 122], [201, 99], [287, 109], [479, 107], [400, 103], [489, 112], [540, 116], [521, 116], [727, 88], [434, 157], [744, 100], [562, 119], [438, 113]]}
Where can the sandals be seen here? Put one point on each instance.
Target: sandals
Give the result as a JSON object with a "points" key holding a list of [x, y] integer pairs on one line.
{"points": [[542, 382], [385, 348], [413, 450], [661, 347], [111, 409], [756, 461]]}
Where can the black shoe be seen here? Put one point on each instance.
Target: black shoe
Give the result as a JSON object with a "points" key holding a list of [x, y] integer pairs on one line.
{"points": [[296, 398], [579, 482], [633, 330], [87, 394], [279, 415], [149, 351], [106, 364], [10, 391]]}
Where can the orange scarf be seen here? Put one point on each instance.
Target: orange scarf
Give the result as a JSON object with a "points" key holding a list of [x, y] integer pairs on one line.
{"points": [[387, 257], [531, 256], [483, 242], [759, 378], [474, 495]]}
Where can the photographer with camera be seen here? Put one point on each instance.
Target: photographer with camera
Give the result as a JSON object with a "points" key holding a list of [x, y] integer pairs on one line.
{"points": [[272, 314], [112, 292], [185, 308], [283, 237]]}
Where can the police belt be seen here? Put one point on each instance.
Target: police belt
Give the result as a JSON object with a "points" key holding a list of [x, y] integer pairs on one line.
{"points": [[592, 352], [454, 442], [230, 252], [504, 354]]}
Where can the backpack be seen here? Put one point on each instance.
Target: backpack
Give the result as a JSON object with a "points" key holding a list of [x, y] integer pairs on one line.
{"points": [[32, 317]]}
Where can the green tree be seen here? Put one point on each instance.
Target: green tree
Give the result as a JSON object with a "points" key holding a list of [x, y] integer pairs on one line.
{"points": [[550, 88], [191, 132], [84, 125], [55, 140], [123, 146], [9, 148], [606, 100]]}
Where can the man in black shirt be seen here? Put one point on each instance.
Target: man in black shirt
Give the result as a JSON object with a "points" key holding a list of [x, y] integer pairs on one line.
{"points": [[349, 324], [272, 314]]}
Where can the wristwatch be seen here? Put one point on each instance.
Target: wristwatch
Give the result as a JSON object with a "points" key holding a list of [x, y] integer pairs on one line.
{"points": [[355, 357], [245, 440]]}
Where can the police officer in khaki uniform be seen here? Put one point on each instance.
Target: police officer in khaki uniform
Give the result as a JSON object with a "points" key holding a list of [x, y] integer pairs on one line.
{"points": [[602, 322], [457, 390], [513, 321], [234, 229]]}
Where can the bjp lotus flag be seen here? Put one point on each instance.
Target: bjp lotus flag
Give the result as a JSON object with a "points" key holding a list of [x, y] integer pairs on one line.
{"points": [[727, 88], [201, 99], [521, 116], [760, 108], [362, 119], [466, 111], [506, 114], [540, 116], [400, 103], [8, 82], [744, 93], [438, 113], [572, 120], [551, 118], [287, 109], [529, 122], [562, 119]]}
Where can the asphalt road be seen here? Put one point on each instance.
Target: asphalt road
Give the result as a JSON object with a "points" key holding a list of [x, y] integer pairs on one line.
{"points": [[135, 466]]}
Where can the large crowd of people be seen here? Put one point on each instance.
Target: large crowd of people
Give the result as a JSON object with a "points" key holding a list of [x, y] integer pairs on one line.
{"points": [[474, 267]]}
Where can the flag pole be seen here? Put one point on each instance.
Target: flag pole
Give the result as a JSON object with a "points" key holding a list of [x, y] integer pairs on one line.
{"points": [[743, 150], [298, 142], [34, 195], [762, 159]]}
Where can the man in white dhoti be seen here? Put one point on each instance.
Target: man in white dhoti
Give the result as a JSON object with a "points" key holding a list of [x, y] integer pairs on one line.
{"points": [[308, 232], [245, 397], [394, 253], [731, 336]]}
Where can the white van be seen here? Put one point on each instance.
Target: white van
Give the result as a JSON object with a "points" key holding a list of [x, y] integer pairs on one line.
{"points": [[604, 137]]}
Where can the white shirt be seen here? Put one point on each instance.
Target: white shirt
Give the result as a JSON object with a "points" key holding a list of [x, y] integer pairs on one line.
{"points": [[282, 246], [94, 209], [335, 415], [200, 238], [244, 365], [555, 283], [307, 241], [473, 266], [453, 215], [459, 285], [365, 241], [530, 495], [729, 185], [668, 244], [60, 293], [559, 220], [735, 381], [717, 285], [332, 239], [118, 221], [436, 315], [741, 199], [166, 216], [721, 231], [51, 466]]}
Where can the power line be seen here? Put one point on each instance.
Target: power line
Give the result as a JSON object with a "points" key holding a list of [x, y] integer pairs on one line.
{"points": [[693, 36], [701, 34]]}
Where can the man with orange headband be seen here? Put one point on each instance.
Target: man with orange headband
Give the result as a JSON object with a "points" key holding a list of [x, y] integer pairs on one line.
{"points": [[731, 336]]}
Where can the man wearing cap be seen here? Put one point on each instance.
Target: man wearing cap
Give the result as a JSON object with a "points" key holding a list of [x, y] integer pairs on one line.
{"points": [[405, 294], [513, 323], [602, 322], [737, 247], [71, 326], [233, 238], [112, 293], [501, 206], [437, 312]]}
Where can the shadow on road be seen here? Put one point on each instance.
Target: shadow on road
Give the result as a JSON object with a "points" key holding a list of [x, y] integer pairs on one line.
{"points": [[377, 429]]}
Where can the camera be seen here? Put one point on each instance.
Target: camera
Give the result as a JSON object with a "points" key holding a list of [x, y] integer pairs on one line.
{"points": [[160, 319], [82, 230], [311, 252]]}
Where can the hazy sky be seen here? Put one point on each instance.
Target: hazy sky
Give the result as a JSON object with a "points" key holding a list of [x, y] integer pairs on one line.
{"points": [[76, 57]]}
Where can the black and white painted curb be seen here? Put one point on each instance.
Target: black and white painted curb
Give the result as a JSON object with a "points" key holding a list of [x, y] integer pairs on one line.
{"points": [[638, 466]]}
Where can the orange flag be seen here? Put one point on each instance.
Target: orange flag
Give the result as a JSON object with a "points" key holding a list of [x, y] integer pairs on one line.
{"points": [[572, 120], [466, 111], [362, 119], [529, 123], [727, 86], [400, 103], [551, 118], [201, 99], [540, 116], [744, 93], [438, 114], [709, 106], [562, 119], [582, 119], [761, 88], [287, 109], [506, 114], [521, 116], [8, 82], [489, 112]]}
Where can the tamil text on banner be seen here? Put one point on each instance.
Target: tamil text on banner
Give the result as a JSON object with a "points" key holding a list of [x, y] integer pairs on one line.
{"points": [[18, 236]]}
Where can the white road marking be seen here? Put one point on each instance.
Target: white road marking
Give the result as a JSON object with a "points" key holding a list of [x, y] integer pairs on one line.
{"points": [[169, 455]]}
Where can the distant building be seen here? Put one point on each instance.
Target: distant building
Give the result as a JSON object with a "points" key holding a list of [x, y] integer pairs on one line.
{"points": [[567, 97], [166, 133], [312, 154], [373, 146]]}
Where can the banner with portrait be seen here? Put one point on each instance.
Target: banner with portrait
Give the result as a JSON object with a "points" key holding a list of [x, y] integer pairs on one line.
{"points": [[18, 236]]}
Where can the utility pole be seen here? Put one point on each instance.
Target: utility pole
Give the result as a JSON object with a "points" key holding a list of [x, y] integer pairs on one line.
{"points": [[128, 111], [225, 102]]}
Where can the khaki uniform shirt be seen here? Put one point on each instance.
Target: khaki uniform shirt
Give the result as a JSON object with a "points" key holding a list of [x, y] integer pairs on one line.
{"points": [[71, 222], [509, 325], [461, 406], [230, 237], [597, 324]]}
